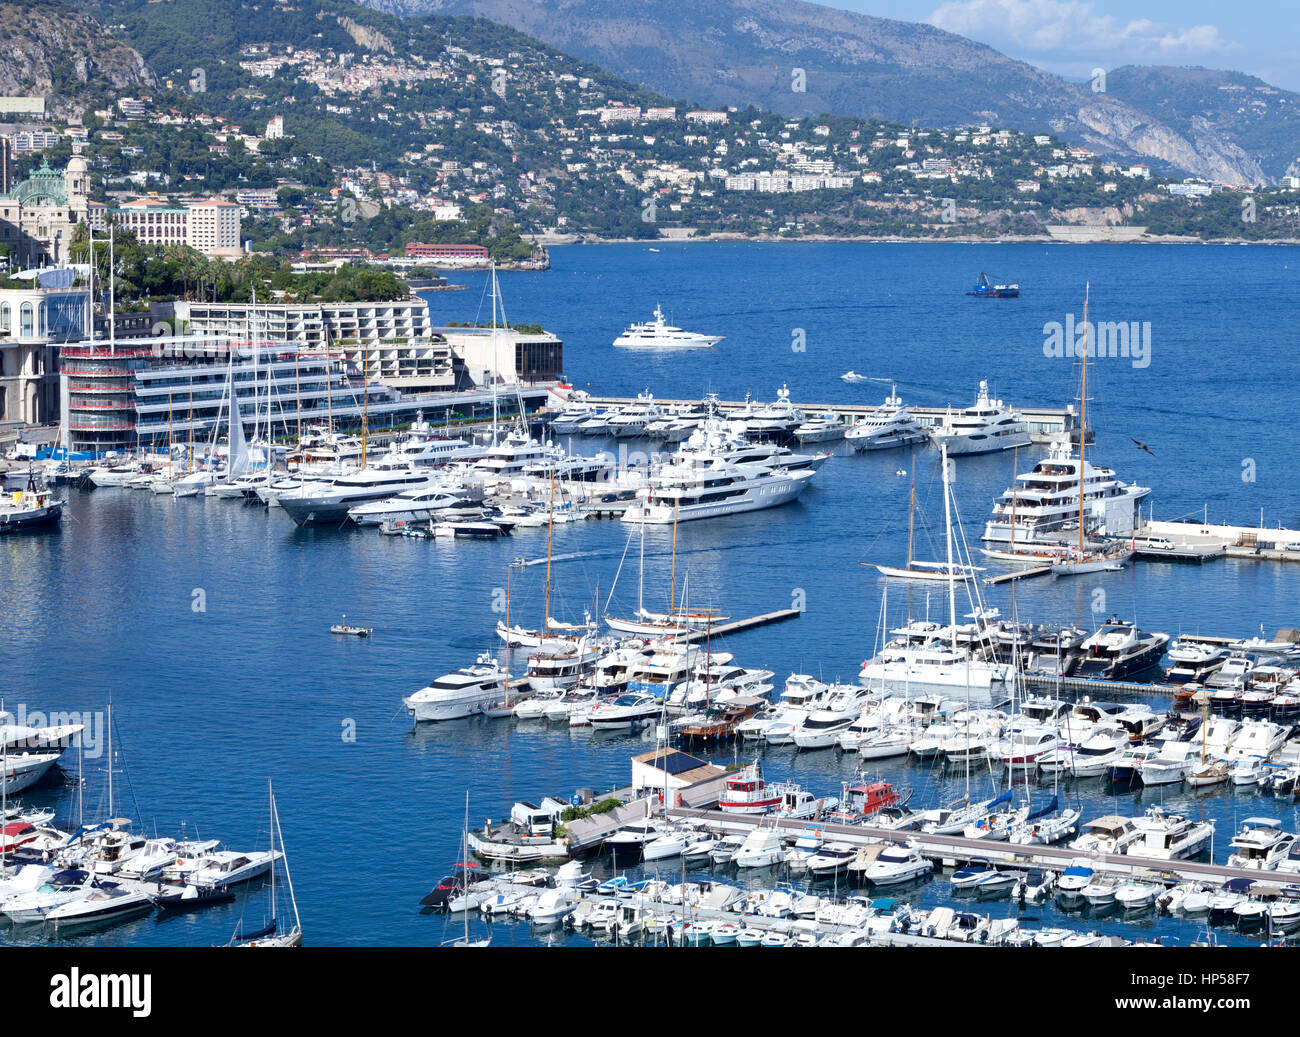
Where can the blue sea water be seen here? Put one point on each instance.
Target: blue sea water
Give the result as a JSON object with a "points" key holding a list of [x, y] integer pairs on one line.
{"points": [[211, 703]]}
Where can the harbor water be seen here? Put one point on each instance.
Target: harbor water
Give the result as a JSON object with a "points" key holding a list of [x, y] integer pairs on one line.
{"points": [[206, 622]]}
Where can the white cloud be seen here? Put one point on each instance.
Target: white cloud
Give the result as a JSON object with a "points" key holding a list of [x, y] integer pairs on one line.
{"points": [[1071, 35]]}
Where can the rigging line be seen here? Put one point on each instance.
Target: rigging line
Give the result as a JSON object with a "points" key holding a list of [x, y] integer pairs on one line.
{"points": [[125, 773], [614, 587]]}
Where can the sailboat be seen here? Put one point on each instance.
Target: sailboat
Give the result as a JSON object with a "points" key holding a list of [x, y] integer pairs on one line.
{"points": [[551, 636], [916, 570], [237, 459], [1082, 561], [465, 941], [507, 708], [676, 622], [271, 936], [1215, 772]]}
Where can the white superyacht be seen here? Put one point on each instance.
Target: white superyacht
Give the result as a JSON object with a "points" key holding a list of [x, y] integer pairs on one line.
{"points": [[986, 426], [889, 425], [1042, 506], [659, 334]]}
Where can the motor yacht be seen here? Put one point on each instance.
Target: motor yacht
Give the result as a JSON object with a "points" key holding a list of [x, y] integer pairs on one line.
{"points": [[1118, 650], [890, 425], [682, 491], [1107, 835], [1041, 507], [986, 426], [315, 504], [897, 864], [417, 504], [1169, 836], [627, 712], [1261, 844], [762, 848], [465, 692], [659, 334]]}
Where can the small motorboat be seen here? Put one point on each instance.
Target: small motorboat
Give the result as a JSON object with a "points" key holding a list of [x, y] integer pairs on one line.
{"points": [[192, 898], [351, 631]]}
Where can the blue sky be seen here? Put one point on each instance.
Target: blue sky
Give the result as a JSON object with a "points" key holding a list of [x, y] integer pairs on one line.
{"points": [[1072, 37]]}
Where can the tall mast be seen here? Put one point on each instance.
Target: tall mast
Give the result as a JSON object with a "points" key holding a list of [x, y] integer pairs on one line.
{"points": [[365, 403], [947, 525], [1083, 414], [911, 512], [550, 529], [672, 581], [508, 569], [1015, 474], [110, 760]]}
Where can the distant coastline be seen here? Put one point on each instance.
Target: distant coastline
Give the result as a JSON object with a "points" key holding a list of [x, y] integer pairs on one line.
{"points": [[1037, 239]]}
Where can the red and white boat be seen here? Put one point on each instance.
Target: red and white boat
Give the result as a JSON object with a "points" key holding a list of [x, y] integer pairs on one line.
{"points": [[862, 802], [748, 793]]}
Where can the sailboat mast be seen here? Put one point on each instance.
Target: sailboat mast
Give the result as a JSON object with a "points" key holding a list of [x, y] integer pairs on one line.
{"points": [[284, 859], [550, 529], [1015, 475], [508, 570], [672, 579], [947, 525], [1083, 414], [365, 403], [911, 512], [110, 761]]}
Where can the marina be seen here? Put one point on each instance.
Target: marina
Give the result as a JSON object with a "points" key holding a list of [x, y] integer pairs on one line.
{"points": [[279, 692]]}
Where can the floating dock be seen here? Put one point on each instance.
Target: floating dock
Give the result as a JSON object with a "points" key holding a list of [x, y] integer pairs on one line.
{"points": [[950, 850], [737, 625], [1045, 423]]}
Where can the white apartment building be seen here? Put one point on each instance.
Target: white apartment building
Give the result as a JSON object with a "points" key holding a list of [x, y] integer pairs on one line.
{"points": [[210, 225]]}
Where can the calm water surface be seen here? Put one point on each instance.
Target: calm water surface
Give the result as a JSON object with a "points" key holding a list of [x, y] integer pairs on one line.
{"points": [[211, 703]]}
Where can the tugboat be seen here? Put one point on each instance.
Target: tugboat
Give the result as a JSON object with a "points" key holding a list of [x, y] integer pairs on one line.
{"points": [[985, 289], [748, 793], [860, 803], [30, 508]]}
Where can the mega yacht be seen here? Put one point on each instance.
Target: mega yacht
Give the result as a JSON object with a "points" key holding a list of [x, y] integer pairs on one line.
{"points": [[932, 668], [1042, 506], [418, 504], [721, 440], [473, 689], [511, 454], [634, 419], [329, 503], [659, 334], [889, 425], [682, 490], [984, 427], [773, 421]]}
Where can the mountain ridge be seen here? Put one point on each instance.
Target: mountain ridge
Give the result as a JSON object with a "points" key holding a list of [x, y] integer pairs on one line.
{"points": [[740, 52]]}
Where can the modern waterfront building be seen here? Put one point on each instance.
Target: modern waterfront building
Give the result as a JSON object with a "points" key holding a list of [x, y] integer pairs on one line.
{"points": [[393, 342], [144, 392]]}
